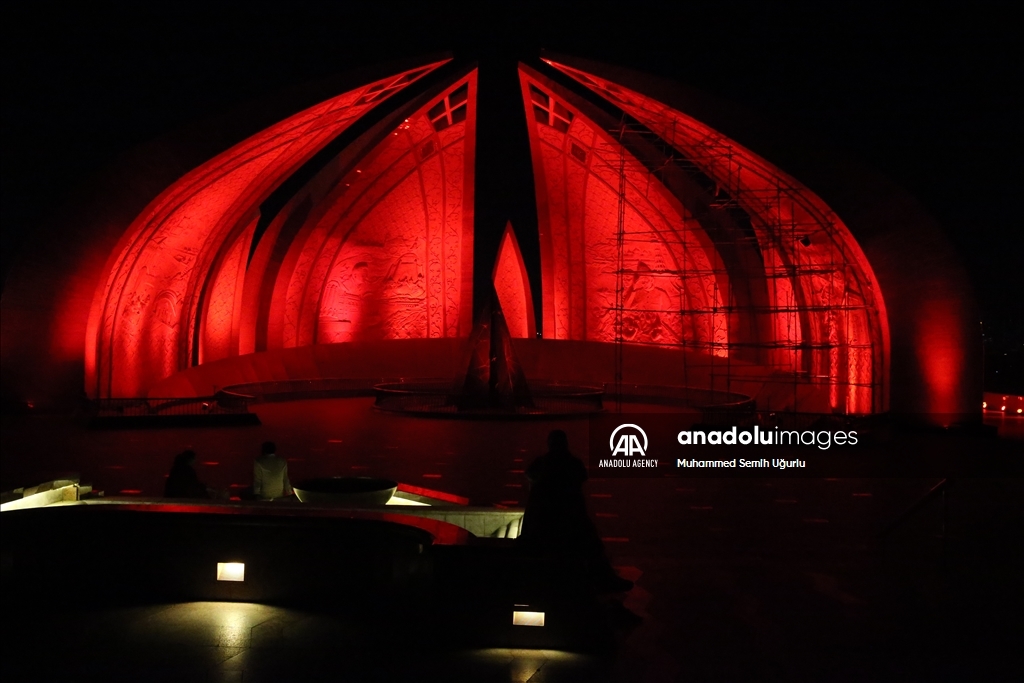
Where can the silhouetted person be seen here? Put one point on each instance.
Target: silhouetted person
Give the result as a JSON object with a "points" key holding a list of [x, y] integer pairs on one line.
{"points": [[183, 482], [270, 474], [556, 521]]}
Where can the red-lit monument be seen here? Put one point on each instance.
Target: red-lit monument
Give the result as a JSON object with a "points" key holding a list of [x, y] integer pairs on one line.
{"points": [[674, 250], [331, 269]]}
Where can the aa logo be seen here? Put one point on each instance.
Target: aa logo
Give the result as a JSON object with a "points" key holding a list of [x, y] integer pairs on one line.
{"points": [[628, 441]]}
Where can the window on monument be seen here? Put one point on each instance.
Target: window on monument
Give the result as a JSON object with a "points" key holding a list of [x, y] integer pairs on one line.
{"points": [[561, 118], [538, 96], [379, 90], [451, 110], [459, 95], [611, 91], [549, 112], [408, 78], [579, 153]]}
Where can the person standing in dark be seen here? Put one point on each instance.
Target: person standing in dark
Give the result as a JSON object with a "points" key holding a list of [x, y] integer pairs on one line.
{"points": [[556, 521], [183, 482], [270, 474]]}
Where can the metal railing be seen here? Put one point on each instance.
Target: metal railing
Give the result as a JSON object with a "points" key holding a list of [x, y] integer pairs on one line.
{"points": [[219, 404], [301, 389], [439, 396]]}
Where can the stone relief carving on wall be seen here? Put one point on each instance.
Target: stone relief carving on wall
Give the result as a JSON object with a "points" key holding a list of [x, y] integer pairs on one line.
{"points": [[403, 229], [376, 293], [670, 292], [174, 243]]}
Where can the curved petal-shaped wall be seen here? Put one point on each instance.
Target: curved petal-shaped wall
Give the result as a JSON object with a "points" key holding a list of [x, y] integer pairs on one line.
{"points": [[803, 298], [665, 267], [387, 254], [177, 267], [711, 265]]}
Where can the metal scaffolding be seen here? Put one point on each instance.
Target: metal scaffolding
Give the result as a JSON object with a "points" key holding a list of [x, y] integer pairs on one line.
{"points": [[808, 327]]}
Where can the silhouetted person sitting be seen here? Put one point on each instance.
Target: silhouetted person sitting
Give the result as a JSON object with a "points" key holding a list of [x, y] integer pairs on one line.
{"points": [[556, 521], [183, 482], [270, 474]]}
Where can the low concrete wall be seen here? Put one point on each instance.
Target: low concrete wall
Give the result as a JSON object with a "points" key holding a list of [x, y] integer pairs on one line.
{"points": [[579, 362]]}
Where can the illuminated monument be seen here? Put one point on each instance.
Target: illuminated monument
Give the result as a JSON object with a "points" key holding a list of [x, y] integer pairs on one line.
{"points": [[673, 251]]}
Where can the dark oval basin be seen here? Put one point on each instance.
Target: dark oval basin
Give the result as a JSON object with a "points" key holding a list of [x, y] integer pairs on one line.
{"points": [[349, 491]]}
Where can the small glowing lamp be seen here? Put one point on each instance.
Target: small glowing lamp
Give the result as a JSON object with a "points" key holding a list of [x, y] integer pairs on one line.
{"points": [[1002, 408], [523, 616], [984, 404], [1020, 410], [231, 571]]}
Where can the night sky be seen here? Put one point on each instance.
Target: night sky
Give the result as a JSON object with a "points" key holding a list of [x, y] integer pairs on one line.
{"points": [[927, 96]]}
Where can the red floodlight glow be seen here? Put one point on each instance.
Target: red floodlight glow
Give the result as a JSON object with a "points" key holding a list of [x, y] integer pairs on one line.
{"points": [[793, 308], [389, 256], [172, 287], [512, 285]]}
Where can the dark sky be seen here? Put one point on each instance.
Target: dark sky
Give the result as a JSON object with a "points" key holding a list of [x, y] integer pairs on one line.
{"points": [[927, 96]]}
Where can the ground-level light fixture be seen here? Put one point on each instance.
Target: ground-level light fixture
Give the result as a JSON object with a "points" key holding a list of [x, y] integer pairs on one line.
{"points": [[231, 571], [522, 615]]}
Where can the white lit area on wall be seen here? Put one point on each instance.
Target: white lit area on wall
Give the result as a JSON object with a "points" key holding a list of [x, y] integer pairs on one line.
{"points": [[231, 571]]}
